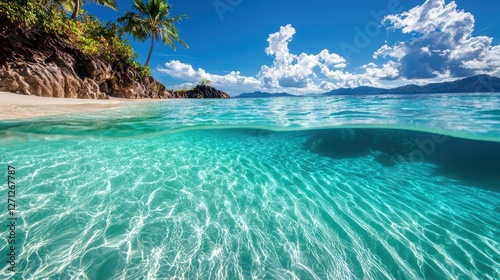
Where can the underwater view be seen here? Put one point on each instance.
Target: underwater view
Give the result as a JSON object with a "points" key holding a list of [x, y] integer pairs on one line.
{"points": [[379, 187]]}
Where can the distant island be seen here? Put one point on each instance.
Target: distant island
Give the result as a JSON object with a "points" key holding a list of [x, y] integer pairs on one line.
{"points": [[479, 83]]}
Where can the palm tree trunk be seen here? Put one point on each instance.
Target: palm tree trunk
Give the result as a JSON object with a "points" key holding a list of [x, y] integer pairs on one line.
{"points": [[151, 49], [77, 8]]}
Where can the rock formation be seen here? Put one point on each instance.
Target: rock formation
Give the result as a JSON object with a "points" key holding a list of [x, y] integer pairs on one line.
{"points": [[202, 91], [34, 62]]}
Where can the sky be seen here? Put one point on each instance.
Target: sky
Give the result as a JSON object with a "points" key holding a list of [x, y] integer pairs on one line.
{"points": [[316, 46]]}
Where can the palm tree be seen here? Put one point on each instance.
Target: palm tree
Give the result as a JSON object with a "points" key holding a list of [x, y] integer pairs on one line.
{"points": [[151, 20], [74, 5]]}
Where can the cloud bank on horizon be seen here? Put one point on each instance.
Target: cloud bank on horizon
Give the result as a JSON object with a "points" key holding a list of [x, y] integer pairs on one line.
{"points": [[440, 45]]}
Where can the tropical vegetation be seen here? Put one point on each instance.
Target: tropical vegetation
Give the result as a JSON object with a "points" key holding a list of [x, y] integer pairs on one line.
{"points": [[204, 82], [75, 5], [105, 40]]}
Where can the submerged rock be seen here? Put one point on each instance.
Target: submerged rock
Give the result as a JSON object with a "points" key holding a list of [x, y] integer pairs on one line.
{"points": [[34, 62]]}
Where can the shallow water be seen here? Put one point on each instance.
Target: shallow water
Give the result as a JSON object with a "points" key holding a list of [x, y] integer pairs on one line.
{"points": [[309, 188]]}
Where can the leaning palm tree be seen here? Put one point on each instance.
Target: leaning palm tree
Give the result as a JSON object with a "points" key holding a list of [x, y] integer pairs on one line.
{"points": [[151, 20], [74, 5]]}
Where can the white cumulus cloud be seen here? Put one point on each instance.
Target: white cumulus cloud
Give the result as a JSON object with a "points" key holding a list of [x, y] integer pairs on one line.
{"points": [[186, 72], [292, 70], [388, 71], [442, 44]]}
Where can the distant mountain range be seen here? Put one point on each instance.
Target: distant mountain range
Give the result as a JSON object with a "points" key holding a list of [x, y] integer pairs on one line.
{"points": [[480, 83]]}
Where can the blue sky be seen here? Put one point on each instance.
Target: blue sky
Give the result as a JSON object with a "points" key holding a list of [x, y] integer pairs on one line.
{"points": [[316, 46]]}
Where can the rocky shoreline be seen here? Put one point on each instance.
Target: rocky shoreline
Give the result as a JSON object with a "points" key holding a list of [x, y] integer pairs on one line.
{"points": [[34, 62]]}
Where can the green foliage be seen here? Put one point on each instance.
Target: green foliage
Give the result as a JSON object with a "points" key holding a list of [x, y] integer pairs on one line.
{"points": [[54, 21], [204, 82], [152, 20], [184, 89], [91, 35], [22, 12], [145, 71]]}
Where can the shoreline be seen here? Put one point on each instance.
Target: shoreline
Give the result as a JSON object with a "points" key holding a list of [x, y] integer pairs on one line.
{"points": [[19, 106]]}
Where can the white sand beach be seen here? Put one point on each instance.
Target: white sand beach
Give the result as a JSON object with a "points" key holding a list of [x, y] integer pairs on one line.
{"points": [[17, 106]]}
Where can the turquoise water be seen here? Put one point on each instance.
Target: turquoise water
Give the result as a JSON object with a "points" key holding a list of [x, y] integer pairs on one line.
{"points": [[382, 187]]}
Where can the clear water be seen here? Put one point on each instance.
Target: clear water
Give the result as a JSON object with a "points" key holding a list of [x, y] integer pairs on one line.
{"points": [[383, 187]]}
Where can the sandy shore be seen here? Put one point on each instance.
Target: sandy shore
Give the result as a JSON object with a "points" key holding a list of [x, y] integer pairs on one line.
{"points": [[17, 106]]}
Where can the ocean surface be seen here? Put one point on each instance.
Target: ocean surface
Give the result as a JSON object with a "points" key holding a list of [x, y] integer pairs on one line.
{"points": [[377, 187]]}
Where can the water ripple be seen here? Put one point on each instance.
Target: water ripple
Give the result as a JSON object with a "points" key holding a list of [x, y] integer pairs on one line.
{"points": [[218, 204]]}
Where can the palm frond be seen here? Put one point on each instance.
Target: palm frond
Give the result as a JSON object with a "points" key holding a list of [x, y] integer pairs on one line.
{"points": [[140, 7], [108, 3], [151, 19], [134, 24]]}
